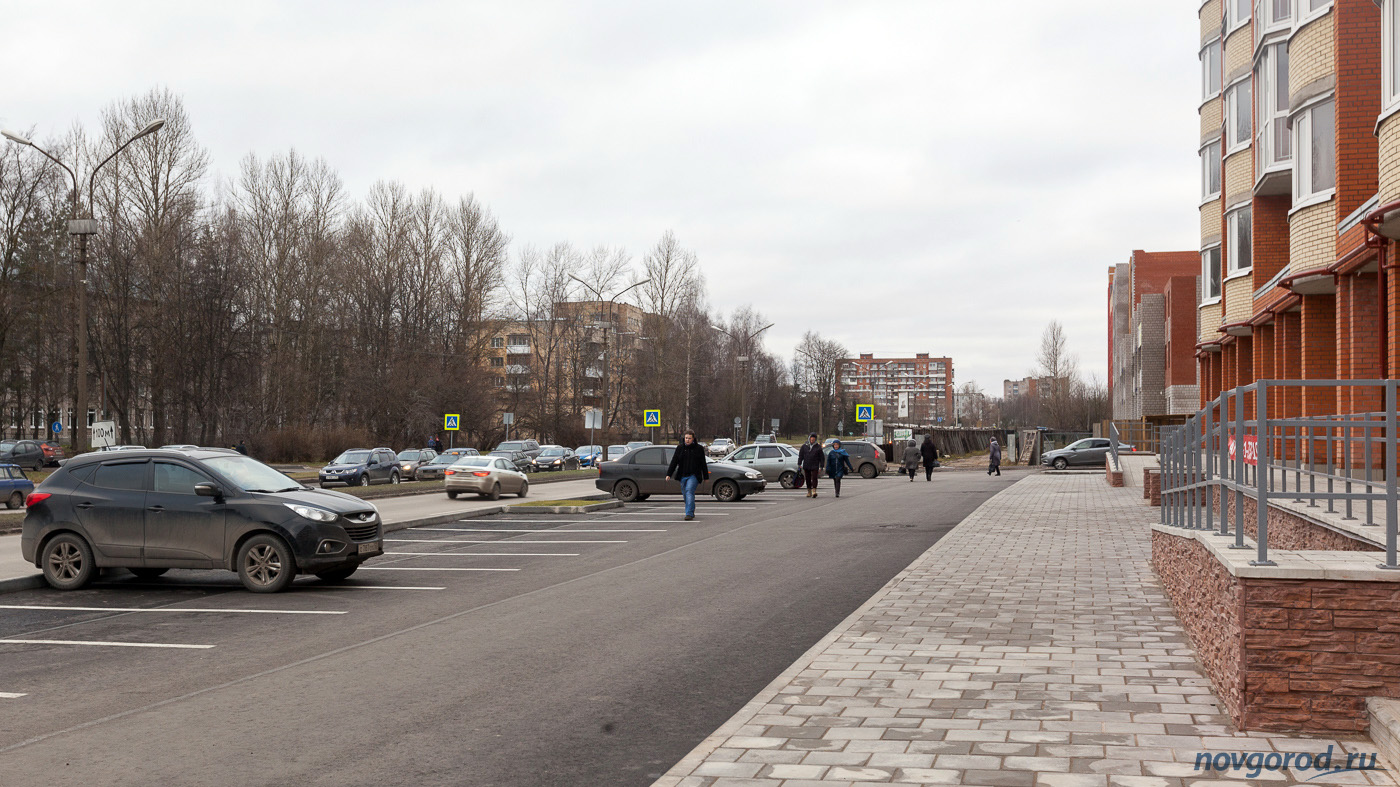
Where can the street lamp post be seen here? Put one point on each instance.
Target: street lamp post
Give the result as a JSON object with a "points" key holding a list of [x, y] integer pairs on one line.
{"points": [[82, 228], [744, 383], [607, 419]]}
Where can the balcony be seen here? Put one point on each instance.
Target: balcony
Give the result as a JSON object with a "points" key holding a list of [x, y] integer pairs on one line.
{"points": [[594, 373], [517, 369], [518, 349]]}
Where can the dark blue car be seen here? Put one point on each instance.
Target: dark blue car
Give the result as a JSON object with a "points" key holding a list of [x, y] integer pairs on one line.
{"points": [[15, 486]]}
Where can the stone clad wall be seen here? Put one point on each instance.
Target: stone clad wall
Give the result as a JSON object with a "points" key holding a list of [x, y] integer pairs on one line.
{"points": [[1207, 600]]}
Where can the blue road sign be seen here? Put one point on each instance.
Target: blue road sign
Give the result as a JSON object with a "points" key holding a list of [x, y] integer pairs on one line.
{"points": [[651, 418], [865, 412], [449, 422], [57, 427]]}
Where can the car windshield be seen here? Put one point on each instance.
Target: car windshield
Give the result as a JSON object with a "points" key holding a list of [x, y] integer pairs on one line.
{"points": [[473, 461], [410, 455], [552, 452], [616, 450], [250, 475], [352, 458], [1080, 445], [511, 447], [587, 449], [445, 459], [506, 454]]}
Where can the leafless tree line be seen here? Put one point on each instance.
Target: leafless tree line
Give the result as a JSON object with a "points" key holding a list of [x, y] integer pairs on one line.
{"points": [[272, 306]]}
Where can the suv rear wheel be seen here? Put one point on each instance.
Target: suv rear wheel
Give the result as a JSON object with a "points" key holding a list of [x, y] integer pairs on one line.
{"points": [[265, 564], [67, 562], [867, 470]]}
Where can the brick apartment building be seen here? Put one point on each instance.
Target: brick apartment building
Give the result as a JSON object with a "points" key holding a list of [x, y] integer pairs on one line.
{"points": [[916, 390], [1026, 386], [1141, 319], [1300, 165]]}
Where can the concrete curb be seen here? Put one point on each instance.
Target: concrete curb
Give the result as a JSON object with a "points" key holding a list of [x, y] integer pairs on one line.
{"points": [[682, 769], [22, 583]]}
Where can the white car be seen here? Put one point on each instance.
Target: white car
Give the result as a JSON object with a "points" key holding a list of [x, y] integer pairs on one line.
{"points": [[720, 446]]}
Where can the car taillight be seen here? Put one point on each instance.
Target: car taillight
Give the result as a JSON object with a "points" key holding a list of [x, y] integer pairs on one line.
{"points": [[36, 497], [481, 473], [450, 472]]}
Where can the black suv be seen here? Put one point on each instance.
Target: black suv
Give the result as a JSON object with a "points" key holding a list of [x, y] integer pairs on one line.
{"points": [[153, 510], [25, 453], [362, 467]]}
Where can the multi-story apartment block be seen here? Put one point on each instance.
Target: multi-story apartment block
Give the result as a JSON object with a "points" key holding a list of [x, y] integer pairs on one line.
{"points": [[916, 390], [1299, 145], [1139, 342], [1028, 386]]}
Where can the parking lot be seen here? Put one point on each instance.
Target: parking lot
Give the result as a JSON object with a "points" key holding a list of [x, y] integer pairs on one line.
{"points": [[465, 642]]}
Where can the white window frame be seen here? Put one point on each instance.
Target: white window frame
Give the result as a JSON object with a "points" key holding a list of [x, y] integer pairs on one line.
{"points": [[1390, 57], [1235, 243], [1212, 75], [1265, 24], [1210, 154], [1303, 164], [1233, 10], [1233, 145], [1207, 297], [1271, 130], [1304, 12]]}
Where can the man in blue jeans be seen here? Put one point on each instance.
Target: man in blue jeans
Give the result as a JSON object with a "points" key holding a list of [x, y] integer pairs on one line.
{"points": [[688, 466]]}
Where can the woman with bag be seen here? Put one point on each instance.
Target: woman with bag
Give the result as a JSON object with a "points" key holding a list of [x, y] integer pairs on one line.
{"points": [[911, 459]]}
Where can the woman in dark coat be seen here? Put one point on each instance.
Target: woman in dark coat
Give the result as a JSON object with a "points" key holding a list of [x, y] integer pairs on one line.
{"points": [[929, 451], [994, 464], [911, 459], [838, 463]]}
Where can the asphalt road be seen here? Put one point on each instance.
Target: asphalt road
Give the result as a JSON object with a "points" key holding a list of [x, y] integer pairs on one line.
{"points": [[614, 645]]}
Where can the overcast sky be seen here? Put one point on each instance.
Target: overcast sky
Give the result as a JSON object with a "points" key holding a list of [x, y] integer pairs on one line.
{"points": [[921, 176]]}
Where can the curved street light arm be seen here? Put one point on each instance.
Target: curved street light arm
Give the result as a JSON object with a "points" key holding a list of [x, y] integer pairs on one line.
{"points": [[150, 128], [23, 141]]}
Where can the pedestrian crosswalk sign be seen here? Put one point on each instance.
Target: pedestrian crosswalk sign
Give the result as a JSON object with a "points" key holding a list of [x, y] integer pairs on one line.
{"points": [[449, 422], [865, 412], [651, 418]]}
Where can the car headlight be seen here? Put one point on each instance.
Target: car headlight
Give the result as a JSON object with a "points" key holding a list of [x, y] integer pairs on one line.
{"points": [[312, 513], [752, 474]]}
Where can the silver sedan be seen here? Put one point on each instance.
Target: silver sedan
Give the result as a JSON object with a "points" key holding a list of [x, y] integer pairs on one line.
{"points": [[776, 461], [487, 476]]}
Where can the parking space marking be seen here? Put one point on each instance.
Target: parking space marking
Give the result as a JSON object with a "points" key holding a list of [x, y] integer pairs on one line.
{"points": [[361, 587], [95, 643], [396, 568], [297, 585], [10, 695], [172, 609], [485, 554], [489, 541], [538, 530]]}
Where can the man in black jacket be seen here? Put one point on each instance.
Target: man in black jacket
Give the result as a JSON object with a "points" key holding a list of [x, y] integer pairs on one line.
{"points": [[929, 451], [688, 466], [811, 457]]}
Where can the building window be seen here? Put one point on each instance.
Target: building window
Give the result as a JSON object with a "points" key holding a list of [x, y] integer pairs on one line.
{"points": [[519, 340], [1210, 172], [1210, 275], [1273, 146], [498, 361], [1309, 10], [1237, 13], [1315, 171], [1390, 54], [497, 343], [1238, 230], [1271, 16], [1239, 126], [1210, 70]]}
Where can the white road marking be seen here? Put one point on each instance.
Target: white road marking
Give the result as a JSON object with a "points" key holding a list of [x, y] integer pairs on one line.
{"points": [[538, 530], [485, 554], [100, 644], [361, 587], [396, 568], [10, 695], [171, 609], [297, 585], [489, 541]]}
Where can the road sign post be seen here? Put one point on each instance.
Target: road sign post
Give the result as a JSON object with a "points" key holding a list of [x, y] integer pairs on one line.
{"points": [[57, 427], [865, 413], [651, 419], [592, 419], [508, 419], [103, 434]]}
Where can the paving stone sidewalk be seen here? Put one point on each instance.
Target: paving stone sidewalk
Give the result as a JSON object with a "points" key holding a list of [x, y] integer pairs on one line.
{"points": [[1031, 646]]}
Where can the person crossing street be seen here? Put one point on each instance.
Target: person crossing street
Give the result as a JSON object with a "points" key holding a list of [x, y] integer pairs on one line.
{"points": [[838, 463], [929, 451], [688, 466], [911, 460], [810, 457]]}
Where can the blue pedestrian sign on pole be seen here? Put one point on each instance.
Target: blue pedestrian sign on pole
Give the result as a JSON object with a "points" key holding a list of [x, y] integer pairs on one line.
{"points": [[57, 427], [865, 412], [651, 418], [450, 421]]}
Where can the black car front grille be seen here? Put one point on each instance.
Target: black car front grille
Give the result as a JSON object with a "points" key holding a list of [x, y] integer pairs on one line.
{"points": [[359, 530]]}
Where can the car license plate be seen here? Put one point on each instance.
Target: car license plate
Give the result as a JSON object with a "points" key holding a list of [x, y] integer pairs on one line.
{"points": [[372, 546]]}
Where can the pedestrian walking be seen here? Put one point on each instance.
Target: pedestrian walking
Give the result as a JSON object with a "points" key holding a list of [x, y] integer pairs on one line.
{"points": [[436, 445], [241, 448], [838, 463], [929, 452], [810, 458], [994, 459], [688, 466], [911, 460]]}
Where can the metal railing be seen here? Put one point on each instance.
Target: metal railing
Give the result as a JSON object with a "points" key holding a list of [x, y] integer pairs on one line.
{"points": [[1233, 448], [1113, 441]]}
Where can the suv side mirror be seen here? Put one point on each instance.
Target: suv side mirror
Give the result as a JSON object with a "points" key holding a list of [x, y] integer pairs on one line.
{"points": [[207, 489]]}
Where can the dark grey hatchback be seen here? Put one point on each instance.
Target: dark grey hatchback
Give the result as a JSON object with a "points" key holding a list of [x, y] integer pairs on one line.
{"points": [[153, 510]]}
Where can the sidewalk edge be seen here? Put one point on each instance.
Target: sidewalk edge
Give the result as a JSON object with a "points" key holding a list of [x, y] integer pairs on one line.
{"points": [[696, 756]]}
